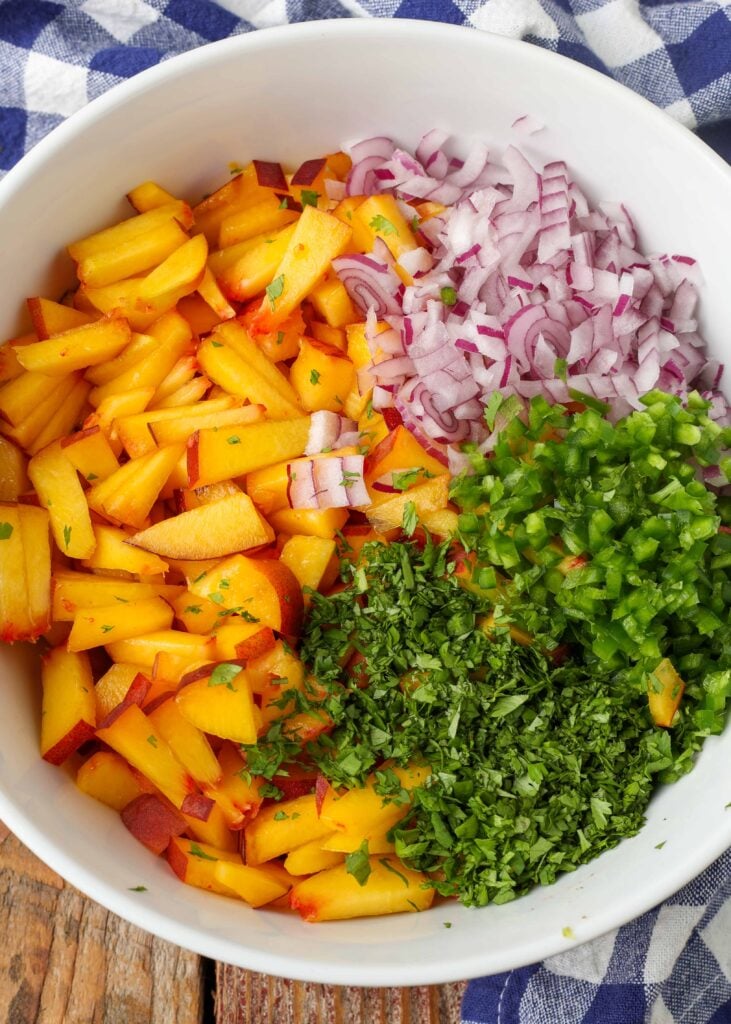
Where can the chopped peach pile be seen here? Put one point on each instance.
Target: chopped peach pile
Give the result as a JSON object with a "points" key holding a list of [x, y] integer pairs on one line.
{"points": [[152, 426]]}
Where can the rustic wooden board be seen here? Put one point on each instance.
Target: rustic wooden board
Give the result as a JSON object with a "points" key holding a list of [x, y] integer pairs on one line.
{"points": [[65, 960], [246, 998]]}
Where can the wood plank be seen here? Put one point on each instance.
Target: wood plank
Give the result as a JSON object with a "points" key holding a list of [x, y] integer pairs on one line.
{"points": [[66, 960], [243, 997]]}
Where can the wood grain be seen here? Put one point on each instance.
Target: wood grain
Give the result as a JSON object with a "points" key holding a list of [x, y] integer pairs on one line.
{"points": [[65, 960], [246, 998]]}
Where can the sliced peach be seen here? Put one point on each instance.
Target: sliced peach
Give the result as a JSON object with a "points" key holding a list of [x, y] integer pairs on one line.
{"points": [[67, 417], [222, 364], [397, 452], [265, 589], [431, 496], [268, 215], [49, 317], [335, 894], [214, 830], [73, 590], [57, 485], [334, 336], [211, 531], [13, 471], [238, 792], [314, 522], [15, 622], [90, 453], [213, 457], [34, 534], [130, 229], [132, 257], [312, 560], [310, 858], [194, 863], [317, 239], [221, 704], [282, 827], [148, 196], [113, 687], [113, 551], [188, 743], [42, 412], [664, 693], [69, 712], [256, 886], [128, 495], [109, 779], [241, 640], [188, 648], [94, 627], [183, 269], [181, 427], [322, 376], [244, 270], [136, 739], [76, 348], [332, 302], [153, 821], [173, 336], [364, 810], [140, 346]]}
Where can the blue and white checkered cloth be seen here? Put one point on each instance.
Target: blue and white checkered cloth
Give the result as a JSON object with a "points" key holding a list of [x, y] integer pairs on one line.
{"points": [[673, 964]]}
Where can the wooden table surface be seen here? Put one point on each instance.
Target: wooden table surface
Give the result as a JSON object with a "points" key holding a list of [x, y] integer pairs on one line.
{"points": [[66, 960]]}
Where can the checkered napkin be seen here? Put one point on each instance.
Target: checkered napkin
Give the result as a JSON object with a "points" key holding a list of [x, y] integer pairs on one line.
{"points": [[673, 964]]}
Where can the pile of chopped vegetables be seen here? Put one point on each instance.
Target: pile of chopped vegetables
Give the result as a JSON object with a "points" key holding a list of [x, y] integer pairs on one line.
{"points": [[528, 676], [519, 285]]}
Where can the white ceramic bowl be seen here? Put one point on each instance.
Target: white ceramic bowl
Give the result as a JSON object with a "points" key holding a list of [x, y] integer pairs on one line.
{"points": [[290, 94]]}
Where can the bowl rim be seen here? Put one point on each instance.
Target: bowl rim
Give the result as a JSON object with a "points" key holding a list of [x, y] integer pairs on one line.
{"points": [[238, 953]]}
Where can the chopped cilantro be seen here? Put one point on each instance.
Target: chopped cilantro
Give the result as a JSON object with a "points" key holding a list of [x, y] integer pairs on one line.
{"points": [[216, 344], [223, 674], [275, 289], [195, 851], [66, 536], [659, 846], [308, 197], [233, 439], [447, 924], [406, 478], [92, 476], [409, 518], [152, 740], [358, 864], [315, 376], [415, 223], [280, 337], [122, 600], [394, 871], [194, 609], [283, 203], [138, 888], [107, 629], [383, 225], [6, 530], [281, 815]]}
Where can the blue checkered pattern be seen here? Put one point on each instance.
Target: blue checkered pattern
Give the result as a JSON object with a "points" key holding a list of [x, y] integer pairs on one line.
{"points": [[673, 965], [670, 966], [55, 56]]}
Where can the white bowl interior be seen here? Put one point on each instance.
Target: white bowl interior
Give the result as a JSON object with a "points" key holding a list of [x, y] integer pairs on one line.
{"points": [[290, 94]]}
